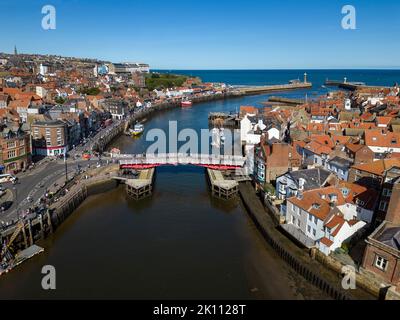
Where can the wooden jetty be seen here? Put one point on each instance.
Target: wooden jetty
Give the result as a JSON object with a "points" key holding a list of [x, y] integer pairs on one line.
{"points": [[21, 257], [226, 120]]}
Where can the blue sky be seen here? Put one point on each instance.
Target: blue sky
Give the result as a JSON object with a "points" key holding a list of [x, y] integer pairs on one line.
{"points": [[217, 34]]}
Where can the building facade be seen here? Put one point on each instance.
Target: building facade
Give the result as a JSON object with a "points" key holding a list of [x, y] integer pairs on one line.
{"points": [[49, 138], [15, 149]]}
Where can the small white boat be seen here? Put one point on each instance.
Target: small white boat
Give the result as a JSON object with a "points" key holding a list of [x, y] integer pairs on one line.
{"points": [[137, 130]]}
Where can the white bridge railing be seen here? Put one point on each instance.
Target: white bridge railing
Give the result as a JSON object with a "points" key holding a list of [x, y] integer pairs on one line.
{"points": [[179, 158]]}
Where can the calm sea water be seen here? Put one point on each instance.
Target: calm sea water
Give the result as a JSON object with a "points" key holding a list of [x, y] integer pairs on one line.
{"points": [[317, 77], [181, 243]]}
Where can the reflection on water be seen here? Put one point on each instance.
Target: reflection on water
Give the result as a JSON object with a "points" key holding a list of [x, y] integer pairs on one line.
{"points": [[180, 243]]}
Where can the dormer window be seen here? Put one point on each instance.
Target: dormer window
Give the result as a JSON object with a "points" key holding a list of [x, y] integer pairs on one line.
{"points": [[316, 206]]}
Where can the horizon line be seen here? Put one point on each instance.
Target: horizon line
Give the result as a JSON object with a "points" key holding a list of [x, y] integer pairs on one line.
{"points": [[277, 69]]}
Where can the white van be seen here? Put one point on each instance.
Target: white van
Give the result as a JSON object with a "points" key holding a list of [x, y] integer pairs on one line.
{"points": [[7, 178]]}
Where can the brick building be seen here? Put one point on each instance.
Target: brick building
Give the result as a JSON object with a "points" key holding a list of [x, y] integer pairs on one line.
{"points": [[49, 138], [15, 148], [360, 153], [273, 160], [373, 173], [391, 178], [382, 254], [393, 213]]}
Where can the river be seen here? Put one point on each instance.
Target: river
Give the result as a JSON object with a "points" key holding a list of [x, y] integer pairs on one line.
{"points": [[179, 244]]}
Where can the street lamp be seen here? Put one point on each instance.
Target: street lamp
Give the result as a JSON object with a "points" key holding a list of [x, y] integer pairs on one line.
{"points": [[66, 168]]}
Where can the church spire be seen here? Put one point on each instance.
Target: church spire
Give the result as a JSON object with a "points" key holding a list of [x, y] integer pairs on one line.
{"points": [[15, 50]]}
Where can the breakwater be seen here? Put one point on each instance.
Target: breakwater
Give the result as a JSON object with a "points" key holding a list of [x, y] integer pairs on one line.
{"points": [[275, 88]]}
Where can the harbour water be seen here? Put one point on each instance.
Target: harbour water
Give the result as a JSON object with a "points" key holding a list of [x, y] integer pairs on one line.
{"points": [[181, 243]]}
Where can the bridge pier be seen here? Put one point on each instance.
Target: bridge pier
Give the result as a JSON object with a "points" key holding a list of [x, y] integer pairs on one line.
{"points": [[220, 187], [142, 187]]}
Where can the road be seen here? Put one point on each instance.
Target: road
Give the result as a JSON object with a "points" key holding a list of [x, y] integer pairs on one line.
{"points": [[33, 185]]}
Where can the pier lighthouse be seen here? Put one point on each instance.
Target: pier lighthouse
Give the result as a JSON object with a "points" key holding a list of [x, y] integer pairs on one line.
{"points": [[305, 77]]}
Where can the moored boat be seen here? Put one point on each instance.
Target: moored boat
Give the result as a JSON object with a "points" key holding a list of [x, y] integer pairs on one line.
{"points": [[137, 130], [186, 103]]}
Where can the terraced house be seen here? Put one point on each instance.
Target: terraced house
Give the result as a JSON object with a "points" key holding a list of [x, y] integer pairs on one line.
{"points": [[15, 148], [326, 217]]}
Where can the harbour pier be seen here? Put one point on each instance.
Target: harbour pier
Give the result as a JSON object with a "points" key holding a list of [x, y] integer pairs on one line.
{"points": [[287, 101], [275, 88], [352, 86]]}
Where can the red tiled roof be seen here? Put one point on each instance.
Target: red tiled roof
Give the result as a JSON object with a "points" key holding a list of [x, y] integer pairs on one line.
{"points": [[376, 138], [326, 242], [378, 167]]}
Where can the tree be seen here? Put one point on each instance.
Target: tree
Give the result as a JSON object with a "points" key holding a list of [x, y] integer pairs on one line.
{"points": [[60, 100]]}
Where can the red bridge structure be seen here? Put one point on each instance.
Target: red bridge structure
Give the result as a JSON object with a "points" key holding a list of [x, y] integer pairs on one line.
{"points": [[147, 161]]}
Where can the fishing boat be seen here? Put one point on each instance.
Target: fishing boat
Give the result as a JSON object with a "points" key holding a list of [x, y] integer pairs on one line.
{"points": [[186, 103], [137, 130]]}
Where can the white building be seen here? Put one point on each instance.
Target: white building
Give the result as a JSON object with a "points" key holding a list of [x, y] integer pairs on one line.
{"points": [[43, 69], [324, 218], [41, 92]]}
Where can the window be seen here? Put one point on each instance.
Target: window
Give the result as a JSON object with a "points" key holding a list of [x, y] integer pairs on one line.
{"points": [[310, 217], [12, 154], [314, 232], [381, 263], [11, 145], [383, 206], [309, 229], [387, 192], [315, 220], [298, 223]]}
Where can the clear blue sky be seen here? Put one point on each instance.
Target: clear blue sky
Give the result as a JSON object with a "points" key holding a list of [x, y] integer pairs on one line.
{"points": [[209, 34]]}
